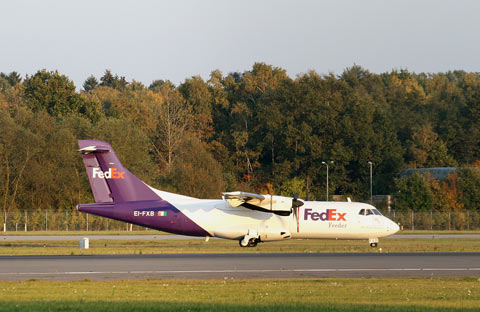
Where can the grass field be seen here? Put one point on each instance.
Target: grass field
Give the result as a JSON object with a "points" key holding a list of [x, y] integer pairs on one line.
{"points": [[89, 233], [155, 232], [393, 294], [228, 246]]}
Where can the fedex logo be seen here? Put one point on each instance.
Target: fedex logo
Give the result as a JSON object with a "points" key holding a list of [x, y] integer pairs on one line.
{"points": [[329, 215], [112, 173]]}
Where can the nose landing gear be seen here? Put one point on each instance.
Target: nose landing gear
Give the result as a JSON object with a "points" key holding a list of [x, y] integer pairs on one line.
{"points": [[373, 242]]}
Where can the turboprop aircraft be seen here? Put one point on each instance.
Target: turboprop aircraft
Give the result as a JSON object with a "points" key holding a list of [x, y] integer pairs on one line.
{"points": [[246, 217]]}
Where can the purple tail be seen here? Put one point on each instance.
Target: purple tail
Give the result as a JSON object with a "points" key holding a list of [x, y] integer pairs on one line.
{"points": [[110, 181]]}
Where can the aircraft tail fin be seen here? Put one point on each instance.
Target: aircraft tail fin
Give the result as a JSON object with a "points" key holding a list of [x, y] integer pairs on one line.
{"points": [[109, 180]]}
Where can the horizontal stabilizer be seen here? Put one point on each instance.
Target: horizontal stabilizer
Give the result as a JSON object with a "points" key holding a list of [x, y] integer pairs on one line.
{"points": [[93, 149]]}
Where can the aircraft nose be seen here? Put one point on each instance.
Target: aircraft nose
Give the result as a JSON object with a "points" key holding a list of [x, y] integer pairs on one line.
{"points": [[392, 227], [395, 227]]}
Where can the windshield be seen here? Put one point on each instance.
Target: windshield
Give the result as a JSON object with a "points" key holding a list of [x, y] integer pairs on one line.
{"points": [[369, 212]]}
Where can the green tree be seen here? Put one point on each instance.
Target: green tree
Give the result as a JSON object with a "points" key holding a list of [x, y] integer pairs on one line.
{"points": [[18, 146], [413, 193], [90, 84], [197, 94], [51, 92], [195, 172], [157, 84], [13, 78], [428, 150], [115, 82], [469, 185]]}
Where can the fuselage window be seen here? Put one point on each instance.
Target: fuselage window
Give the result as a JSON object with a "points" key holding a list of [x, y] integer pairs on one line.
{"points": [[362, 212]]}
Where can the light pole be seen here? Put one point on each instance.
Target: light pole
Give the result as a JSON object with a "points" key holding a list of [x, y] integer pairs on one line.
{"points": [[326, 164], [371, 188]]}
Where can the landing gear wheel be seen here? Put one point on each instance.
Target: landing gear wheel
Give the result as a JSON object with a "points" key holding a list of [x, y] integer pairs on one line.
{"points": [[252, 242], [373, 242]]}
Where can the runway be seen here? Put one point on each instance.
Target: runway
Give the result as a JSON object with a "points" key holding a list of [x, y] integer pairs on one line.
{"points": [[11, 238], [204, 266]]}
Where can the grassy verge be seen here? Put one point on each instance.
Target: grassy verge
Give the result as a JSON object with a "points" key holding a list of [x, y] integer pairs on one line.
{"points": [[438, 232], [74, 233], [394, 294], [228, 246], [155, 232]]}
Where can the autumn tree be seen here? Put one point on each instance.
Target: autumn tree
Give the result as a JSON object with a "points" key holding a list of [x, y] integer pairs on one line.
{"points": [[194, 171]]}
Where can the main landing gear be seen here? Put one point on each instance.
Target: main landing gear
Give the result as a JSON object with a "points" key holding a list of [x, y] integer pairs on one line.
{"points": [[373, 242], [250, 240]]}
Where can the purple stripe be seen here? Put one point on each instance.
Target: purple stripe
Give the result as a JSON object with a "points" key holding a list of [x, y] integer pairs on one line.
{"points": [[174, 222]]}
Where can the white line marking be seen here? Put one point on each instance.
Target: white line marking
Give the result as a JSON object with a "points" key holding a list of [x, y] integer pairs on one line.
{"points": [[238, 271]]}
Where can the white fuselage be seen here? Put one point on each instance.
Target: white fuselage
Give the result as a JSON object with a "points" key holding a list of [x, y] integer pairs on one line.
{"points": [[334, 220]]}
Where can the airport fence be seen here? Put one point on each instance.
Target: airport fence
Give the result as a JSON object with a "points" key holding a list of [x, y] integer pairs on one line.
{"points": [[72, 220], [436, 220], [62, 220]]}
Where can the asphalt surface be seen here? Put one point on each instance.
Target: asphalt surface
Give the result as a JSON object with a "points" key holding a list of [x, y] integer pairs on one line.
{"points": [[204, 266], [10, 238]]}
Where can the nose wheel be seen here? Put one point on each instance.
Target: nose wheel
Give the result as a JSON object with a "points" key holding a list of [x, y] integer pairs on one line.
{"points": [[373, 242]]}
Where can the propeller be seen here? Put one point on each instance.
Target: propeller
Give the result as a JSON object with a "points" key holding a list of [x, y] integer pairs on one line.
{"points": [[296, 203]]}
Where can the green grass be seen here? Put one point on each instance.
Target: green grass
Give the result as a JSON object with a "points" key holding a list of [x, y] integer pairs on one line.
{"points": [[439, 232], [155, 232], [228, 246], [393, 294], [89, 233]]}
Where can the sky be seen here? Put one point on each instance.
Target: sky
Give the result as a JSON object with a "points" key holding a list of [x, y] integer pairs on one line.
{"points": [[148, 40]]}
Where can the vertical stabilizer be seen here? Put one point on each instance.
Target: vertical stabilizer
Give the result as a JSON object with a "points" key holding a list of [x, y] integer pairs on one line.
{"points": [[110, 181]]}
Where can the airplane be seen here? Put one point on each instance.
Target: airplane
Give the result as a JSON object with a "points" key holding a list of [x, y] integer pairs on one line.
{"points": [[246, 217]]}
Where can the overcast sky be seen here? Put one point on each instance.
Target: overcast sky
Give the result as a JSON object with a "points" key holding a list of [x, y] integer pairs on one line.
{"points": [[148, 40]]}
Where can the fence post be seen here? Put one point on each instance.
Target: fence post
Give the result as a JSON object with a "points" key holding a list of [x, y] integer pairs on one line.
{"points": [[468, 220], [431, 219], [87, 222], [449, 220], [413, 220], [26, 218]]}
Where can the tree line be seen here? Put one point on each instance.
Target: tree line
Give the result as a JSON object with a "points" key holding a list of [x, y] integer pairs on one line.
{"points": [[258, 130]]}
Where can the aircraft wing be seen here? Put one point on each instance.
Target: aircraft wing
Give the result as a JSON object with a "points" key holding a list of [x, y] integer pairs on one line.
{"points": [[268, 203]]}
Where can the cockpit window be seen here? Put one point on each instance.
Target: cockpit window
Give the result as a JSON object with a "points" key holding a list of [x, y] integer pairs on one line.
{"points": [[362, 212], [375, 211], [369, 212]]}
